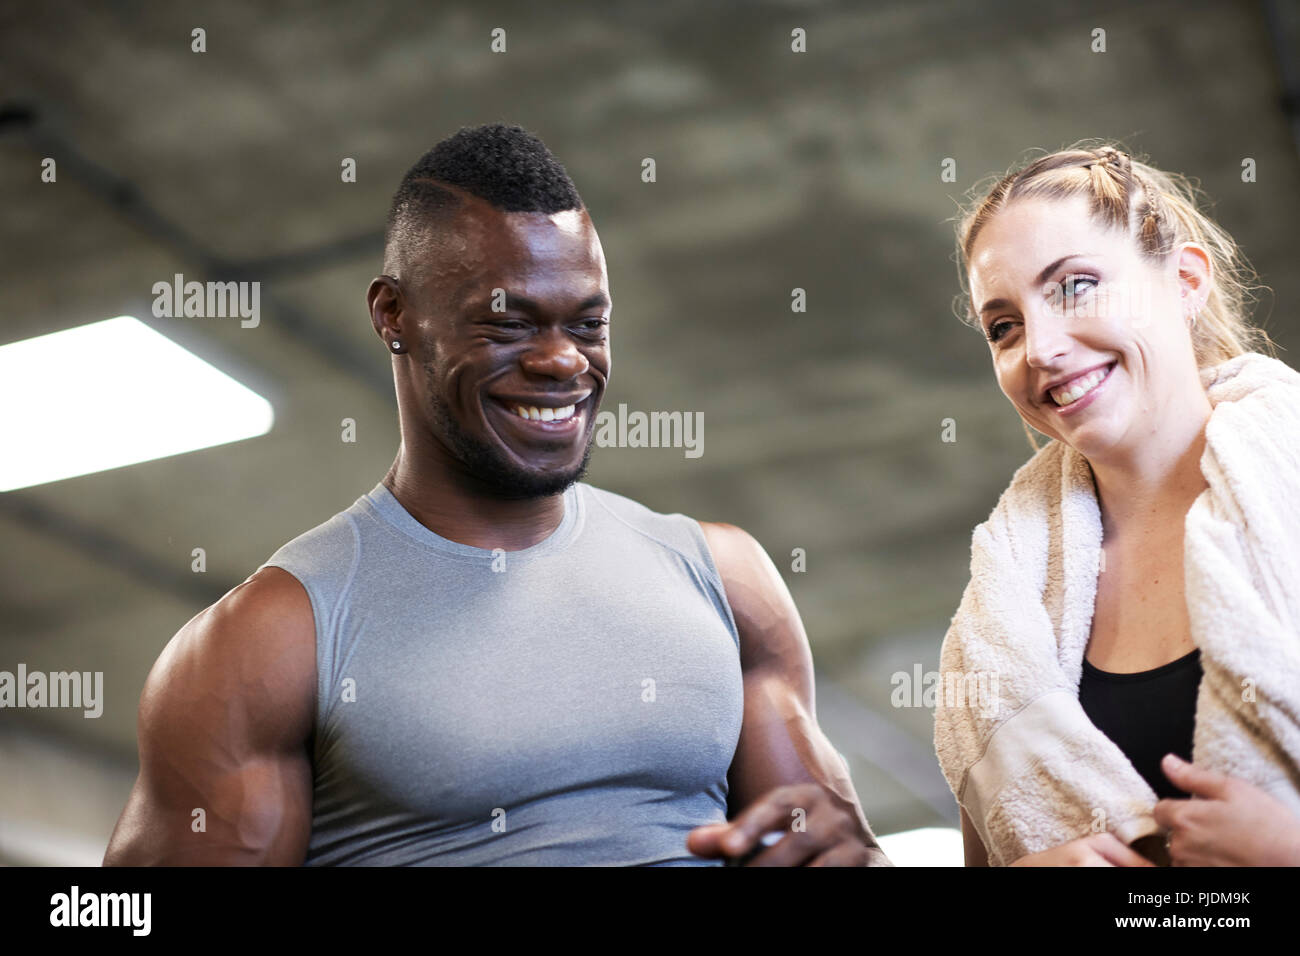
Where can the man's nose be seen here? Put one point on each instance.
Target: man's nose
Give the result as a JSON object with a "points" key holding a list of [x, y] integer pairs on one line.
{"points": [[554, 355]]}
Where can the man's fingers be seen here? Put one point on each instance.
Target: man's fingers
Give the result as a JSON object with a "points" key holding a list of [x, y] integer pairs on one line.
{"points": [[1193, 779], [843, 854], [791, 849], [769, 819], [706, 840], [773, 811]]}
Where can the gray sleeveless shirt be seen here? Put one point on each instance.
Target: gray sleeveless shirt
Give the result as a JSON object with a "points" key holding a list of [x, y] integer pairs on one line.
{"points": [[576, 702]]}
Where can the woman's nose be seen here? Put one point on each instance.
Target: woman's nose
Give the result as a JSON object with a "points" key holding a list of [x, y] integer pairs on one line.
{"points": [[1046, 337]]}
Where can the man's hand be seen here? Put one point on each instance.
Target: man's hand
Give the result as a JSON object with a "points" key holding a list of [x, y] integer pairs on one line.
{"points": [[783, 762], [1227, 822], [820, 830], [1098, 849]]}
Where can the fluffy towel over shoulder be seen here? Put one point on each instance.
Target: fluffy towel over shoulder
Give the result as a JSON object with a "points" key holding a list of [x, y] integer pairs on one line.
{"points": [[1016, 747]]}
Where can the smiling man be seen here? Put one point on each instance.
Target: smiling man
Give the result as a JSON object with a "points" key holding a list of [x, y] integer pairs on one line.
{"points": [[485, 660]]}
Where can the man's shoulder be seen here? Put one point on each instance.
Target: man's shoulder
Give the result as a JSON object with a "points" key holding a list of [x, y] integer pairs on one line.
{"points": [[725, 549], [325, 545], [629, 509], [263, 626], [679, 531]]}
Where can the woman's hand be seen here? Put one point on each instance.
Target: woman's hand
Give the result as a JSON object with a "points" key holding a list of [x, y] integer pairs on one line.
{"points": [[1228, 822], [1098, 849]]}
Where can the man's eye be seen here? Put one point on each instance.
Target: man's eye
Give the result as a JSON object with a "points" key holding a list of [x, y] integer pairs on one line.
{"points": [[592, 325]]}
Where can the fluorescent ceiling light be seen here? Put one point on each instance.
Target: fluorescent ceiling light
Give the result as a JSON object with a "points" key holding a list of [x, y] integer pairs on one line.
{"points": [[110, 394]]}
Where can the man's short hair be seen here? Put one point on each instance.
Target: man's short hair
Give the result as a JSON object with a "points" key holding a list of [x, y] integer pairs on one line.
{"points": [[507, 166]]}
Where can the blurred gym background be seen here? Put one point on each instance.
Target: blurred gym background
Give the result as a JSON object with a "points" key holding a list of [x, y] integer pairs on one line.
{"points": [[775, 170]]}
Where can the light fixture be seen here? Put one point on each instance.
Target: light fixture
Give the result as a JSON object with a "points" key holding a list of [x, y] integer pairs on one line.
{"points": [[110, 394]]}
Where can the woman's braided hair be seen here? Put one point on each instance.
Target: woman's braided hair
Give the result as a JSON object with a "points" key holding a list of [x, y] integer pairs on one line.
{"points": [[1160, 210]]}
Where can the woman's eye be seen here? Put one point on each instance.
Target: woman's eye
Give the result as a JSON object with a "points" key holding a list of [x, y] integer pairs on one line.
{"points": [[997, 330], [1071, 286]]}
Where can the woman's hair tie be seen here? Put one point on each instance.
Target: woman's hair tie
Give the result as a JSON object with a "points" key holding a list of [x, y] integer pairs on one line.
{"points": [[1107, 156]]}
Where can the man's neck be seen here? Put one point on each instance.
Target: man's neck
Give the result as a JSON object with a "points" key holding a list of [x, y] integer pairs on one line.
{"points": [[444, 504]]}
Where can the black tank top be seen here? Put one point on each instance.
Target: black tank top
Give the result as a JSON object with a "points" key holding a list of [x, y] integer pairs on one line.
{"points": [[1147, 714]]}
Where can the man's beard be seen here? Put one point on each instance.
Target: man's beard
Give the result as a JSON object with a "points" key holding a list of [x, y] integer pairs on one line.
{"points": [[492, 470]]}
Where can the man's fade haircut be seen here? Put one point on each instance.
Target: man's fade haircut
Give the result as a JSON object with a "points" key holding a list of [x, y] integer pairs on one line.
{"points": [[507, 166]]}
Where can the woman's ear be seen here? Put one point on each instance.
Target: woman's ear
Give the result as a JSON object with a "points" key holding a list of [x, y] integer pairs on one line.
{"points": [[1195, 273]]}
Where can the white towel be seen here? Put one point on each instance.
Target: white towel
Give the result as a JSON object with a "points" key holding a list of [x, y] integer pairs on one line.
{"points": [[1022, 757]]}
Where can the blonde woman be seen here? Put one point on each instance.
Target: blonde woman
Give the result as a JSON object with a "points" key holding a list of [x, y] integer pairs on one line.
{"points": [[1134, 602]]}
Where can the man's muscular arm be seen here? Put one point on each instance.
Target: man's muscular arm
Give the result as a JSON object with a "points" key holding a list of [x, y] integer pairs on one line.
{"points": [[225, 720], [783, 761]]}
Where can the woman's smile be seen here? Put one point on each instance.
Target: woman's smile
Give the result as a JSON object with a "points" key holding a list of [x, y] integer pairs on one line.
{"points": [[1079, 391]]}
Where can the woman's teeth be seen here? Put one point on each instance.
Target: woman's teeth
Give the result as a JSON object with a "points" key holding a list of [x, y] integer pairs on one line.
{"points": [[1070, 393], [535, 414]]}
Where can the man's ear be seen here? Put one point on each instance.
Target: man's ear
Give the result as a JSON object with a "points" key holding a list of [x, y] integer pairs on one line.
{"points": [[1195, 274], [385, 301]]}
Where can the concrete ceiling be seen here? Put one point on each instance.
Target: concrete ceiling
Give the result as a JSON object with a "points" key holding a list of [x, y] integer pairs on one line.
{"points": [[774, 171]]}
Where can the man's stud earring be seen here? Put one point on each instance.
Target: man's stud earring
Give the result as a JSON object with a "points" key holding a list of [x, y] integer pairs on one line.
{"points": [[397, 346]]}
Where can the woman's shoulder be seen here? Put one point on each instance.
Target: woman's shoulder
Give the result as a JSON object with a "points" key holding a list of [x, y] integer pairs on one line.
{"points": [[1251, 374], [1036, 486], [1255, 399]]}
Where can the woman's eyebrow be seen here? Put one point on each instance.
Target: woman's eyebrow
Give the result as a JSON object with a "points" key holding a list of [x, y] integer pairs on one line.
{"points": [[1041, 278]]}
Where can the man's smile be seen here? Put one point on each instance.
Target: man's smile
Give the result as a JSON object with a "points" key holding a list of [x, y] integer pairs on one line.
{"points": [[547, 417]]}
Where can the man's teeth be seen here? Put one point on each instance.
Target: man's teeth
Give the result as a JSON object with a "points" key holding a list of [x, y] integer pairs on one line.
{"points": [[1069, 394], [535, 414]]}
